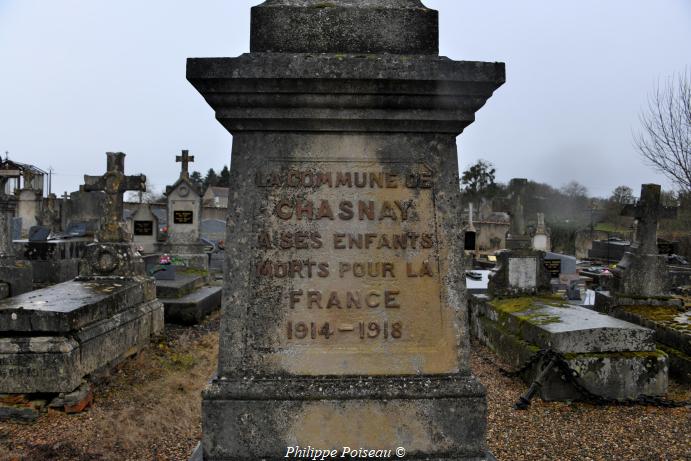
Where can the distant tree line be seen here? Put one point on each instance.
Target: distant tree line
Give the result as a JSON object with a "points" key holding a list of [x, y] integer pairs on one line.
{"points": [[570, 208], [211, 179]]}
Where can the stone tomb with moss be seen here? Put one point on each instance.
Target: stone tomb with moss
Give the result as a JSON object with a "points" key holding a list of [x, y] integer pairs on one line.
{"points": [[614, 358], [670, 319]]}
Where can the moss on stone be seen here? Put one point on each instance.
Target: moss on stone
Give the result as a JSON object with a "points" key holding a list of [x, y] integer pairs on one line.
{"points": [[526, 303], [656, 354], [665, 315], [193, 271]]}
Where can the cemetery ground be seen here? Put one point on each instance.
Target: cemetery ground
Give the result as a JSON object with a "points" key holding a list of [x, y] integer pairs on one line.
{"points": [[149, 409]]}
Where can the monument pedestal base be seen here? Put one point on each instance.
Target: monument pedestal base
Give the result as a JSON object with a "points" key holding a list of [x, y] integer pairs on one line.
{"points": [[439, 417]]}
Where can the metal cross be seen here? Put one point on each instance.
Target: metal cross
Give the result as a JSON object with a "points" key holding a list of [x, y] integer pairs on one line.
{"points": [[185, 159], [648, 211], [114, 183]]}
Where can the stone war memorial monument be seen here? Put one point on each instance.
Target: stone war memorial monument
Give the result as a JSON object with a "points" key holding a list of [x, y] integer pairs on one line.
{"points": [[344, 318]]}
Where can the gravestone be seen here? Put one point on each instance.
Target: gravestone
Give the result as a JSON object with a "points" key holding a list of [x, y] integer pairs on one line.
{"points": [[643, 271], [344, 320], [519, 272], [16, 226], [517, 237], [145, 229], [184, 218], [566, 263], [15, 276], [29, 204], [213, 229], [84, 209], [49, 215]]}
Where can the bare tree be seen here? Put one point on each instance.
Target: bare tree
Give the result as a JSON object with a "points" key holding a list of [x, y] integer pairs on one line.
{"points": [[665, 137]]}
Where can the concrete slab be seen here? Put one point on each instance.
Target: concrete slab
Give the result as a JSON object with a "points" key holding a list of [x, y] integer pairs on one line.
{"points": [[192, 308], [72, 305]]}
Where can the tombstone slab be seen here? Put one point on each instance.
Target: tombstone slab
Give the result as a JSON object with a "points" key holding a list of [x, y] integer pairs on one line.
{"points": [[344, 319], [613, 358]]}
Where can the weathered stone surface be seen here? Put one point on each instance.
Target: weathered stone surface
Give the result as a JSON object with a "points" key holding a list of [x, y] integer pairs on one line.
{"points": [[33, 364], [257, 420], [343, 26], [183, 284], [54, 271], [642, 271], [520, 271], [619, 374], [343, 255], [359, 93], [18, 276], [193, 307], [72, 305], [114, 183], [566, 328], [111, 260]]}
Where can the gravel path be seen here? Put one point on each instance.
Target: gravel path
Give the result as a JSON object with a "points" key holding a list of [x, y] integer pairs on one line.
{"points": [[149, 409]]}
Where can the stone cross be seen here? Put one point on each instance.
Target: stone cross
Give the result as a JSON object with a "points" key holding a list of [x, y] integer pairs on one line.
{"points": [[65, 196], [114, 183], [185, 159], [648, 211]]}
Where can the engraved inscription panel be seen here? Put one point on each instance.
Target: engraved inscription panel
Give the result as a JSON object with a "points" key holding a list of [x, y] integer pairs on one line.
{"points": [[143, 228], [183, 217], [348, 253]]}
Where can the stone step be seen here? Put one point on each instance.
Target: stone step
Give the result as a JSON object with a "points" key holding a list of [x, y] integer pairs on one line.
{"points": [[192, 308], [183, 285], [566, 328]]}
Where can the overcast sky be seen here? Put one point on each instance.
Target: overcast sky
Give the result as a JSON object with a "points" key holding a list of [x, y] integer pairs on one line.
{"points": [[79, 78]]}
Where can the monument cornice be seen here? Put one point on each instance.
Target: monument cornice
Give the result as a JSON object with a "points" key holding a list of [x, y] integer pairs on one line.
{"points": [[344, 92]]}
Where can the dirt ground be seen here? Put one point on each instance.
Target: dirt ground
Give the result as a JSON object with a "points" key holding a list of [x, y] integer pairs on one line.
{"points": [[149, 409]]}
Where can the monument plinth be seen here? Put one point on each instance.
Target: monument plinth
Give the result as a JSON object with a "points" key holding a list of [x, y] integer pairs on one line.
{"points": [[344, 318]]}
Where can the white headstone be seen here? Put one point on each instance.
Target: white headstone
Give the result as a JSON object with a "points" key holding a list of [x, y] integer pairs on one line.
{"points": [[523, 273]]}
